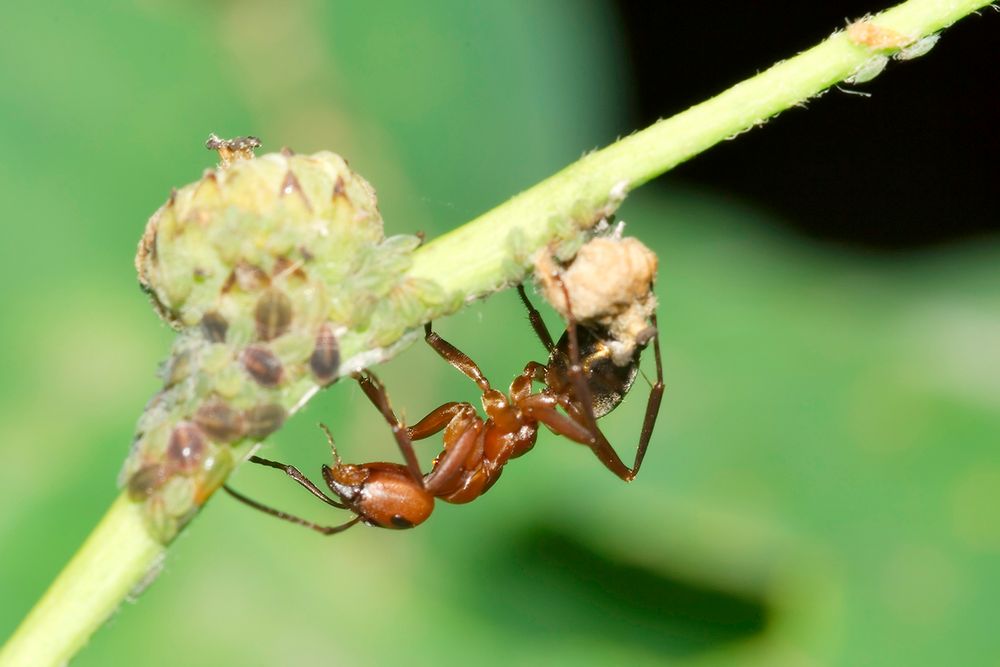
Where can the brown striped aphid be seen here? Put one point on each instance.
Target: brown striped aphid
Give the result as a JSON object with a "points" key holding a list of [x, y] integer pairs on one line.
{"points": [[273, 317], [581, 383]]}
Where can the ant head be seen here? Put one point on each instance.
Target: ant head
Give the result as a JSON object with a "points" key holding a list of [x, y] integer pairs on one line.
{"points": [[346, 481]]}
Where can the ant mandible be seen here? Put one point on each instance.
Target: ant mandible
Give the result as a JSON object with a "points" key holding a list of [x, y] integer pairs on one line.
{"points": [[580, 378]]}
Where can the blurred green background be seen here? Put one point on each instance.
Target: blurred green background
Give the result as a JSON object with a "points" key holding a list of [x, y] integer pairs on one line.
{"points": [[822, 486]]}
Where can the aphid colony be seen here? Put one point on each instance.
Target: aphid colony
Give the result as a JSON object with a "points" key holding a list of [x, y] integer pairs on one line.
{"points": [[277, 276]]}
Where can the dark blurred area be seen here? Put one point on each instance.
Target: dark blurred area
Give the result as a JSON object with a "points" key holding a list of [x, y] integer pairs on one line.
{"points": [[909, 163]]}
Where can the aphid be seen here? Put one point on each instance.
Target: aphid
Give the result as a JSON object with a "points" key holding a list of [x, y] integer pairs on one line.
{"points": [[214, 327], [868, 70], [186, 447], [219, 421], [273, 314], [262, 420], [177, 369], [262, 365], [146, 480], [581, 384], [324, 362], [921, 47]]}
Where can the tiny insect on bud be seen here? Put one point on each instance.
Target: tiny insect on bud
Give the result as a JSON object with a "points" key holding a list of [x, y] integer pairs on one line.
{"points": [[325, 359], [219, 421], [177, 369], [262, 365], [186, 447], [263, 420], [214, 327], [146, 480], [273, 314], [232, 150], [230, 261]]}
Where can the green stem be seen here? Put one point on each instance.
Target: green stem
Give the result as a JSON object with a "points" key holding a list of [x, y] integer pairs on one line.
{"points": [[115, 559], [632, 161], [120, 554]]}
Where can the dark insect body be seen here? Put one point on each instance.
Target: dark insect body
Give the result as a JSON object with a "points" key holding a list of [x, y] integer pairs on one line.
{"points": [[581, 384], [262, 365], [231, 150]]}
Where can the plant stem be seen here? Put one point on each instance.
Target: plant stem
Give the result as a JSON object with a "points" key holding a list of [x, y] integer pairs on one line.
{"points": [[648, 153], [476, 259], [115, 559]]}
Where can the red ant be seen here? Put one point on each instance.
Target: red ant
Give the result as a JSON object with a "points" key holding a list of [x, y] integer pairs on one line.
{"points": [[580, 378]]}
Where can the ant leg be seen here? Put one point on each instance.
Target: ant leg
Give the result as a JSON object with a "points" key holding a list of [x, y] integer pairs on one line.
{"points": [[652, 404], [451, 464], [543, 408], [609, 457], [456, 358], [536, 320], [535, 371], [325, 530], [436, 421], [295, 474], [375, 392], [599, 443], [575, 370]]}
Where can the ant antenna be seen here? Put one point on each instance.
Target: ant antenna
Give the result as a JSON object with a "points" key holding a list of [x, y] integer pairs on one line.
{"points": [[329, 438]]}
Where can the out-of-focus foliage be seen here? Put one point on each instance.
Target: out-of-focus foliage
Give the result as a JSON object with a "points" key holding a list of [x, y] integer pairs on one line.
{"points": [[823, 483]]}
